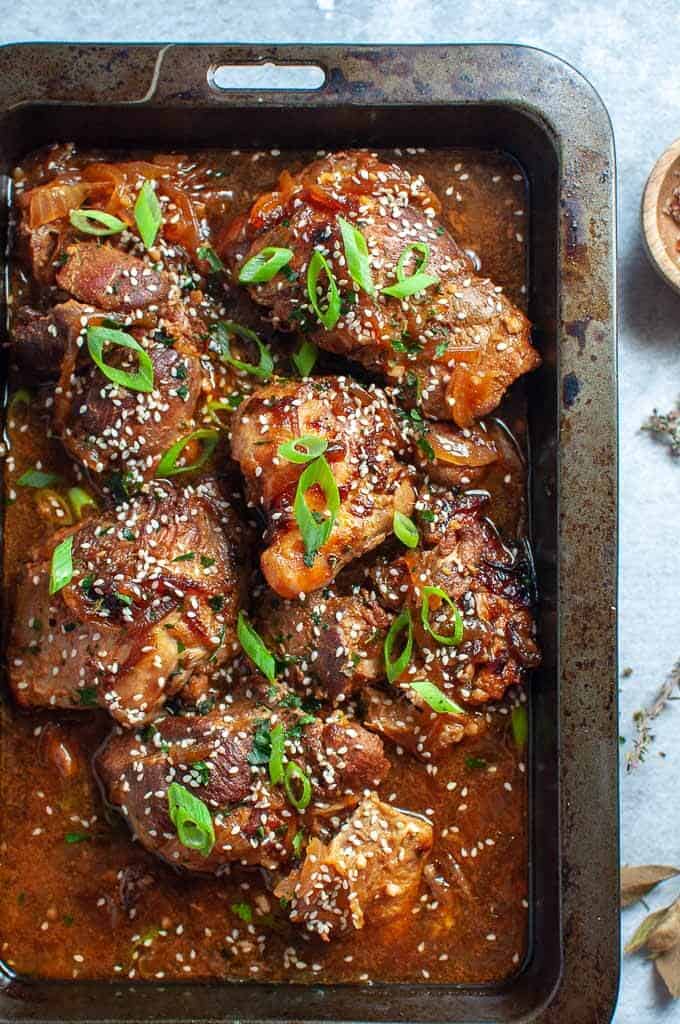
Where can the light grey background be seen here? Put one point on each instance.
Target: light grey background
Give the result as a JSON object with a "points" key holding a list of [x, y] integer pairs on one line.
{"points": [[629, 51]]}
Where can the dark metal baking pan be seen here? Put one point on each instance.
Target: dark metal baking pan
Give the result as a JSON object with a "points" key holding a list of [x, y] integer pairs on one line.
{"points": [[540, 110]]}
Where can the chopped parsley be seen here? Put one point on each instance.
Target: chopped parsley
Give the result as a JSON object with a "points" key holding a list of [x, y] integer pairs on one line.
{"points": [[262, 743], [202, 772], [76, 837], [244, 911], [298, 843], [163, 338], [86, 697]]}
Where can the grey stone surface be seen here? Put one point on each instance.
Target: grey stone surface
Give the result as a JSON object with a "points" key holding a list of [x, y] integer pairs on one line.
{"points": [[628, 50]]}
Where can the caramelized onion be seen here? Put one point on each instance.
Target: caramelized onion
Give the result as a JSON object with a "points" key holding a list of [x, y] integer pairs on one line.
{"points": [[53, 507], [56, 200], [183, 231], [451, 446]]}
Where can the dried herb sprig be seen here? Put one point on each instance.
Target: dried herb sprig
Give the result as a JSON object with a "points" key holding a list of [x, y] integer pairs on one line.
{"points": [[666, 427], [644, 717]]}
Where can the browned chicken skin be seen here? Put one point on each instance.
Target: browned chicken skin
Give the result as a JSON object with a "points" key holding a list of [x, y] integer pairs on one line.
{"points": [[153, 598], [369, 873], [253, 821], [110, 279], [489, 585], [453, 347], [363, 443], [109, 428], [40, 341], [331, 645], [481, 466]]}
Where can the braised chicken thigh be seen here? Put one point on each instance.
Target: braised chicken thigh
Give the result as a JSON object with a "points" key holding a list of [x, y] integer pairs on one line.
{"points": [[224, 759], [346, 433], [368, 874], [151, 597], [331, 645], [402, 297], [110, 428]]}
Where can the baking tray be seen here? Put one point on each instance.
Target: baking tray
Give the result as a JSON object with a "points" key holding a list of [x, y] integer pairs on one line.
{"points": [[540, 110]]}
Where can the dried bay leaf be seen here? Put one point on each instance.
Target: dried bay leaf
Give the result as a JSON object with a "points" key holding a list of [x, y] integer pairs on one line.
{"points": [[659, 934], [666, 933], [668, 966], [643, 931], [636, 882]]}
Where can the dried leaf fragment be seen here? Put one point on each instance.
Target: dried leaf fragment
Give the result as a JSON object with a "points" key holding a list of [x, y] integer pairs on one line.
{"points": [[636, 882]]}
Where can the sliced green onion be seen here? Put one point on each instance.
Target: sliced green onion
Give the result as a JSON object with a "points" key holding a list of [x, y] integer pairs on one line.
{"points": [[457, 635], [277, 738], [191, 818], [142, 380], [395, 667], [330, 316], [356, 254], [413, 284], [252, 643], [418, 281], [436, 698], [218, 405], [520, 726], [80, 499], [314, 527], [207, 253], [148, 214], [37, 478], [303, 449], [264, 265], [20, 397], [424, 250], [168, 464], [224, 331], [405, 529], [61, 571], [96, 222], [293, 775], [305, 358]]}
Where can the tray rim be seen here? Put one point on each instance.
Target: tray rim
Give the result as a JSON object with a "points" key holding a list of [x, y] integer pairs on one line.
{"points": [[553, 116]]}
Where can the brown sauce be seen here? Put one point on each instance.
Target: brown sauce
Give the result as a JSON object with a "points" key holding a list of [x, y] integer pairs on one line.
{"points": [[79, 899]]}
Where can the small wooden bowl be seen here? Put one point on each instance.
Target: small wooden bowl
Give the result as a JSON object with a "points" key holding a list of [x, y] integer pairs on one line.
{"points": [[660, 231]]}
